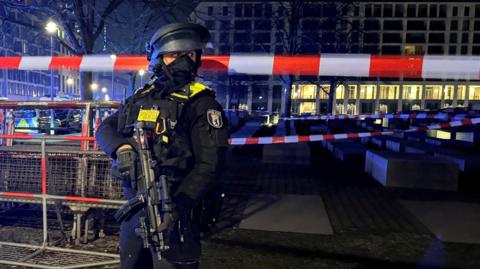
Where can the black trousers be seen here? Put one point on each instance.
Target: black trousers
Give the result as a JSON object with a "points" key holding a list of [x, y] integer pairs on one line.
{"points": [[133, 255]]}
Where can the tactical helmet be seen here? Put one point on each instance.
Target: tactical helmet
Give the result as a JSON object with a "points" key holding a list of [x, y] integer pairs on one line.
{"points": [[176, 37]]}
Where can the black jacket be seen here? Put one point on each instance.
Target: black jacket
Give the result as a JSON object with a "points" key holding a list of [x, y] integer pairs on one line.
{"points": [[197, 144]]}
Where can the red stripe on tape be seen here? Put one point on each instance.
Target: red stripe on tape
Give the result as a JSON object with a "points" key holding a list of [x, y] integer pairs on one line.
{"points": [[394, 66], [215, 63], [18, 194], [303, 138], [328, 137], [296, 65], [467, 122], [130, 63], [10, 62], [278, 139], [251, 140], [445, 125], [66, 62], [352, 136], [83, 199], [376, 133]]}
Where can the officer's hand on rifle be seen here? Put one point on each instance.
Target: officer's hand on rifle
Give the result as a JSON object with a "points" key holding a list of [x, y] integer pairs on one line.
{"points": [[124, 167]]}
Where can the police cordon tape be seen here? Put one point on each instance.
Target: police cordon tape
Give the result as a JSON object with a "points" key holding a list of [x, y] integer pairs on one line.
{"points": [[328, 64], [279, 139], [438, 116], [315, 138]]}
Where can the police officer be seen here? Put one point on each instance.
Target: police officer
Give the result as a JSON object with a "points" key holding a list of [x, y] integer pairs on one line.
{"points": [[189, 146]]}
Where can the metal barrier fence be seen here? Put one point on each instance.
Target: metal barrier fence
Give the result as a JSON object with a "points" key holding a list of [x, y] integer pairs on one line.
{"points": [[47, 170]]}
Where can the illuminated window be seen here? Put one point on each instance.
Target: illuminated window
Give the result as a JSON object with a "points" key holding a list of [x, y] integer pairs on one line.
{"points": [[474, 93], [412, 92], [340, 92], [324, 89], [462, 89], [307, 91], [433, 92], [307, 107], [448, 92], [389, 92], [368, 92], [352, 91]]}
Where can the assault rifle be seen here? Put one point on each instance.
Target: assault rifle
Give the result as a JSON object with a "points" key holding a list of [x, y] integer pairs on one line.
{"points": [[155, 198]]}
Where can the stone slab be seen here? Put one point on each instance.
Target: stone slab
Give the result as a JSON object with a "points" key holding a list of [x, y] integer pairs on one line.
{"points": [[450, 221], [417, 171], [290, 153], [287, 213]]}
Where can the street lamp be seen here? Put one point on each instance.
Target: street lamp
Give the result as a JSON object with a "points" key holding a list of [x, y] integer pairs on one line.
{"points": [[104, 90], [94, 88], [141, 72], [51, 27]]}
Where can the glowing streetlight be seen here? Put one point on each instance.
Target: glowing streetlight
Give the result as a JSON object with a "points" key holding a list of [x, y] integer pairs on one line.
{"points": [[260, 97], [69, 81], [51, 27], [94, 87], [104, 89]]}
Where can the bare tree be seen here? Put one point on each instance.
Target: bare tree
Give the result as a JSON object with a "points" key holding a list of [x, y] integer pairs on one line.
{"points": [[83, 22]]}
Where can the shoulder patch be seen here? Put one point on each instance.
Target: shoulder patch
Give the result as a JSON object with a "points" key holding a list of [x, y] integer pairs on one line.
{"points": [[214, 118]]}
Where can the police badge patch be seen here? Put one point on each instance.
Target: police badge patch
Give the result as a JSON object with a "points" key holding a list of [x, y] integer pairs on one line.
{"points": [[214, 118]]}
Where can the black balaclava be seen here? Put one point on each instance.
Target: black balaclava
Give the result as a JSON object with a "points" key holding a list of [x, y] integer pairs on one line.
{"points": [[173, 77]]}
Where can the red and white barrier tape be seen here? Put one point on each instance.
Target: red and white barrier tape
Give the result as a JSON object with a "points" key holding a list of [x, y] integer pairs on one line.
{"points": [[343, 65], [314, 138], [278, 139], [439, 116]]}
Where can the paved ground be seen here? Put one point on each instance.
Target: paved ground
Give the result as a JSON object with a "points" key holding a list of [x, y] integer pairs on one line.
{"points": [[371, 228]]}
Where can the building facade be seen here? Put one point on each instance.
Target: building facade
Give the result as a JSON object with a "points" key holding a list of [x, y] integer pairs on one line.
{"points": [[22, 33], [375, 27]]}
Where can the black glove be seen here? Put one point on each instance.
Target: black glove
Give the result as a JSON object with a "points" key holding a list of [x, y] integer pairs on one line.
{"points": [[182, 206], [124, 167]]}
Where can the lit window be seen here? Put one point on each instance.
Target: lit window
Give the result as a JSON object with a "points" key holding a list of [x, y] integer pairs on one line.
{"points": [[412, 92], [474, 93], [448, 92], [307, 107], [433, 92], [389, 92], [368, 92], [340, 92], [462, 89]]}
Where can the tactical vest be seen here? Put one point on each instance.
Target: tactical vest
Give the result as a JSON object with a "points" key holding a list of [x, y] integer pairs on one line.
{"points": [[170, 141]]}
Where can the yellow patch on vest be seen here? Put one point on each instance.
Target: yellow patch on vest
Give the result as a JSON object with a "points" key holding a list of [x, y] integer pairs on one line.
{"points": [[150, 115]]}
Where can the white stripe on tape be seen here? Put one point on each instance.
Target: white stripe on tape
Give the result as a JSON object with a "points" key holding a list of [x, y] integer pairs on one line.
{"points": [[238, 141], [475, 121], [434, 126], [265, 140], [332, 64], [316, 138], [35, 63], [451, 67], [456, 123], [97, 63], [366, 134], [340, 136], [251, 64], [404, 116], [291, 139]]}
